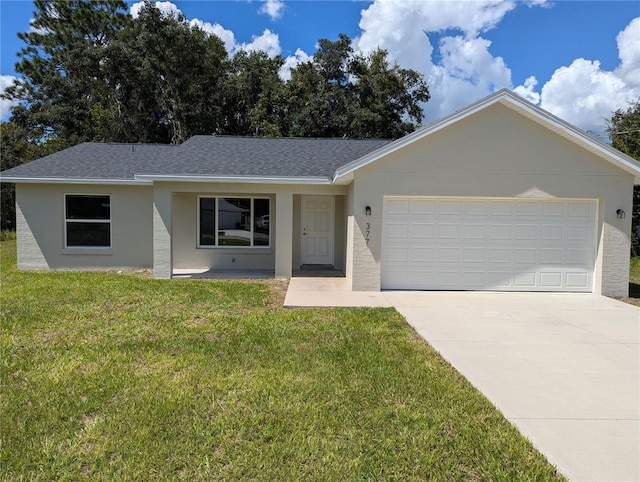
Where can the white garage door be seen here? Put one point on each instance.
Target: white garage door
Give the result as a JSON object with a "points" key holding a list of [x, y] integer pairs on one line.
{"points": [[488, 244]]}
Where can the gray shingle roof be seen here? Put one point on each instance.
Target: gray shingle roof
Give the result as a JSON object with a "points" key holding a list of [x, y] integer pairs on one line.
{"points": [[201, 156]]}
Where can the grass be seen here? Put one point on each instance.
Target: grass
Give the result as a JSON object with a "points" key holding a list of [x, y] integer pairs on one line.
{"points": [[634, 282], [107, 376]]}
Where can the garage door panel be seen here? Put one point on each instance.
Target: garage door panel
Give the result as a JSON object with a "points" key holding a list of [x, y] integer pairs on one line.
{"points": [[397, 230], [395, 254], [500, 255], [526, 232], [448, 255], [499, 280], [553, 209], [474, 255], [584, 209], [493, 244], [580, 257], [475, 208], [420, 230], [577, 280], [500, 208], [397, 206], [552, 232], [552, 256], [448, 231], [418, 277], [528, 209], [474, 231], [423, 206], [525, 255], [525, 280], [551, 279], [500, 231], [422, 254], [579, 232], [448, 207]]}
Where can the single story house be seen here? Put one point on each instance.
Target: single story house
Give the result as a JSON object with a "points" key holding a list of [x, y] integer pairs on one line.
{"points": [[501, 195]]}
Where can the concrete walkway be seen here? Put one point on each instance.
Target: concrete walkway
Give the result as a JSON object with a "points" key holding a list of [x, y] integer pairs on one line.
{"points": [[564, 368]]}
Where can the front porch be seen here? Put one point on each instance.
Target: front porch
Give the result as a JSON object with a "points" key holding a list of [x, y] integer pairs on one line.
{"points": [[233, 231]]}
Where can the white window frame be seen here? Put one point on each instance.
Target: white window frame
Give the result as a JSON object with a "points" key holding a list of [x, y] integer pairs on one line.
{"points": [[97, 221], [217, 219]]}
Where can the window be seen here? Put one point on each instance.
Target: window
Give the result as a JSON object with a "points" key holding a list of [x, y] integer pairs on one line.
{"points": [[233, 222], [87, 220]]}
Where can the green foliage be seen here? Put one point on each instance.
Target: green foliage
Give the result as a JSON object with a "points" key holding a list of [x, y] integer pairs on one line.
{"points": [[624, 132], [17, 146], [118, 377], [92, 73], [254, 102], [165, 80], [61, 67], [340, 93]]}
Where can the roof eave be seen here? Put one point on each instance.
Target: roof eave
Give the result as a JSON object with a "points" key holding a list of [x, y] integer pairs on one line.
{"points": [[319, 180], [70, 180]]}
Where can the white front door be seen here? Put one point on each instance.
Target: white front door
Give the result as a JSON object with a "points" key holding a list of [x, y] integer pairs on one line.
{"points": [[317, 229]]}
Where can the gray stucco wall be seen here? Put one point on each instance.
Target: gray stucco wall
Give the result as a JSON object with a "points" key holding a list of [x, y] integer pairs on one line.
{"points": [[40, 228], [495, 153]]}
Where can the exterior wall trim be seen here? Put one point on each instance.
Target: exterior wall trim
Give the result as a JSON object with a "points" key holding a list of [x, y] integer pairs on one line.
{"points": [[235, 179]]}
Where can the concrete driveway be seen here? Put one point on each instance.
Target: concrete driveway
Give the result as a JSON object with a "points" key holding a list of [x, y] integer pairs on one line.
{"points": [[564, 368]]}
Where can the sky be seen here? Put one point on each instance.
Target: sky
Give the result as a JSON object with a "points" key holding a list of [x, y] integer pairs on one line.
{"points": [[580, 60]]}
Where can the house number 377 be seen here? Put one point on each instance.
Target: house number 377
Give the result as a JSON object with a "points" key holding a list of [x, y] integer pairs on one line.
{"points": [[366, 233]]}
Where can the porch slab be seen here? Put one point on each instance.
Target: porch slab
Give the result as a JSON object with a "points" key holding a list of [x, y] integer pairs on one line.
{"points": [[205, 273], [329, 292]]}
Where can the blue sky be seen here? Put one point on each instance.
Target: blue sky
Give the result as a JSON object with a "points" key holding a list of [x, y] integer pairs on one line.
{"points": [[578, 59]]}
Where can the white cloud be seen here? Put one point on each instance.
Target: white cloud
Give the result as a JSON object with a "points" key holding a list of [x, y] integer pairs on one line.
{"points": [[461, 69], [167, 8], [466, 70], [629, 53], [527, 90], [222, 33], [273, 8], [6, 81], [291, 62], [268, 42], [585, 95], [466, 73]]}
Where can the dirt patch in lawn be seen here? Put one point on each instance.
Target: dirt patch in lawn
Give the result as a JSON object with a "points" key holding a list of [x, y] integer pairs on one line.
{"points": [[631, 301]]}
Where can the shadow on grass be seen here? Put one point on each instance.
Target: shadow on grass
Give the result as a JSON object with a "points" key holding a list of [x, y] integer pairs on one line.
{"points": [[634, 290]]}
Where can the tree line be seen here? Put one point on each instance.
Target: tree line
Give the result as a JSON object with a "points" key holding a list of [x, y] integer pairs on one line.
{"points": [[90, 71]]}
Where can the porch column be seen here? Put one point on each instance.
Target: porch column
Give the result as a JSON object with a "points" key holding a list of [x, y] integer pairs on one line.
{"points": [[162, 259], [284, 234]]}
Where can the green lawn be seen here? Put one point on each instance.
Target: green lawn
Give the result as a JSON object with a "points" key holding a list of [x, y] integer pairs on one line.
{"points": [[634, 278], [122, 377]]}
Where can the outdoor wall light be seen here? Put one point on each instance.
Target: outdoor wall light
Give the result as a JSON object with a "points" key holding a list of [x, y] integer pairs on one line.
{"points": [[620, 214], [367, 210]]}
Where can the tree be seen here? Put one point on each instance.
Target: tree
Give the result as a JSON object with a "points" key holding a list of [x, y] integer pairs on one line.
{"points": [[340, 93], [254, 98], [624, 132], [16, 148], [62, 66], [165, 78]]}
